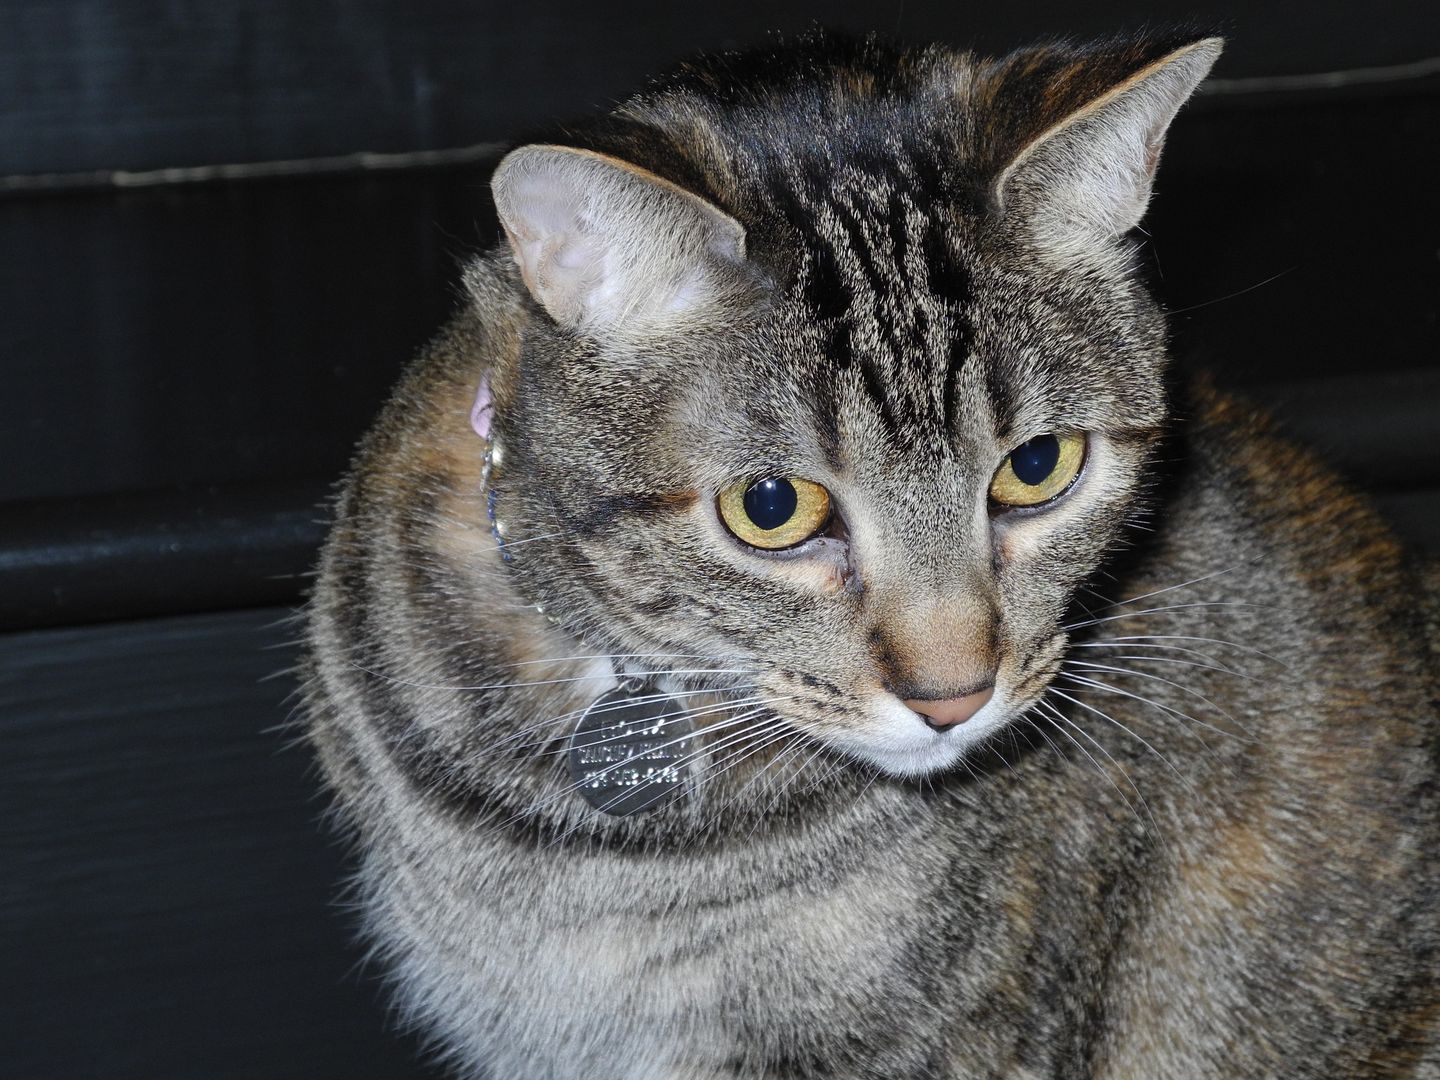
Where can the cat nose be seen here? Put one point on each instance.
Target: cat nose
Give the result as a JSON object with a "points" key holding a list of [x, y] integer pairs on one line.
{"points": [[942, 713]]}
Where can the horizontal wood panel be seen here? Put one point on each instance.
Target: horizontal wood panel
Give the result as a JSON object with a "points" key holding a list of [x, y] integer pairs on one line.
{"points": [[168, 900], [143, 84]]}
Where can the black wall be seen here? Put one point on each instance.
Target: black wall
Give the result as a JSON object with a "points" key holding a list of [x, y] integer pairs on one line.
{"points": [[186, 358], [143, 84]]}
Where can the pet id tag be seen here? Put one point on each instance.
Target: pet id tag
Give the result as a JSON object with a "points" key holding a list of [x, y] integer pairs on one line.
{"points": [[627, 753]]}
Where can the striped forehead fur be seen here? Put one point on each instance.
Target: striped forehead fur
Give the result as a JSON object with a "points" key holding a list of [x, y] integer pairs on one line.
{"points": [[862, 176]]}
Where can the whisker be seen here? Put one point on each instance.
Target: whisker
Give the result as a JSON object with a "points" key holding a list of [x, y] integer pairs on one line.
{"points": [[614, 706], [1111, 643], [683, 760], [1140, 739], [545, 682], [616, 656], [772, 732], [1103, 687], [787, 784], [1087, 686], [1161, 660], [1171, 588], [800, 770], [741, 736], [1237, 292], [1168, 682], [874, 776], [710, 748], [833, 765], [779, 723], [668, 718], [798, 742], [531, 539], [1158, 610], [1058, 715], [1030, 718], [1193, 637], [749, 745]]}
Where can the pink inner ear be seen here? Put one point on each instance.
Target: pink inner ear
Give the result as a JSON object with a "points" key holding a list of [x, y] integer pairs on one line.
{"points": [[482, 410]]}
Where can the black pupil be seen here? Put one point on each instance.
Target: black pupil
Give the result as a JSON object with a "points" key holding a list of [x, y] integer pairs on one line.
{"points": [[771, 503], [1035, 460]]}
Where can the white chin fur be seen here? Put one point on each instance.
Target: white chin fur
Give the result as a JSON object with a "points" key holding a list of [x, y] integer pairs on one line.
{"points": [[895, 740]]}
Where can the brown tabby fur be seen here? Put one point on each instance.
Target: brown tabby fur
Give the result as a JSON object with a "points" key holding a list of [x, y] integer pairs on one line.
{"points": [[1236, 877]]}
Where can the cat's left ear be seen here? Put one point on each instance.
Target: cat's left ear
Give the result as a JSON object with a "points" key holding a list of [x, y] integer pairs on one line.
{"points": [[607, 247], [1088, 177]]}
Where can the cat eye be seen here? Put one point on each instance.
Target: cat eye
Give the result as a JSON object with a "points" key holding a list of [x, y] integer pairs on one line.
{"points": [[774, 513], [1038, 470]]}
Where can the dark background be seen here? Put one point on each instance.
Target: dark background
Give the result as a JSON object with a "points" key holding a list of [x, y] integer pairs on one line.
{"points": [[225, 225]]}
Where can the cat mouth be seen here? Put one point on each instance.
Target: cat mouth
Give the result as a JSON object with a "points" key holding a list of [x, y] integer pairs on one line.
{"points": [[901, 740]]}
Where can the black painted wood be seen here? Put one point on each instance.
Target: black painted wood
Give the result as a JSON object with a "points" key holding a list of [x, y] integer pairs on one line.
{"points": [[167, 896], [64, 562], [141, 84], [216, 335]]}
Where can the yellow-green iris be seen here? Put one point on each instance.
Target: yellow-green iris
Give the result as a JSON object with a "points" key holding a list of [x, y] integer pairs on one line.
{"points": [[1038, 470], [774, 513]]}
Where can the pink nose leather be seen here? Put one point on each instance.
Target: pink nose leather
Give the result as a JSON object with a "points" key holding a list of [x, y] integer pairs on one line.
{"points": [[949, 711]]}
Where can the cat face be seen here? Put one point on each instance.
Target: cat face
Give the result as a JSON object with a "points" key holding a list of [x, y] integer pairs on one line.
{"points": [[858, 450]]}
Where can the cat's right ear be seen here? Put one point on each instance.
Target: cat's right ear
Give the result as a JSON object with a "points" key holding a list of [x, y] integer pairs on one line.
{"points": [[606, 247], [1087, 178]]}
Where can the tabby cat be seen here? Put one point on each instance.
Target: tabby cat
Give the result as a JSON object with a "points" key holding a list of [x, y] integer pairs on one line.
{"points": [[779, 630]]}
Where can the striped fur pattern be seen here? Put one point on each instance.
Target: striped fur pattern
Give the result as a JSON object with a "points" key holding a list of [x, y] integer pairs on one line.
{"points": [[1192, 834]]}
